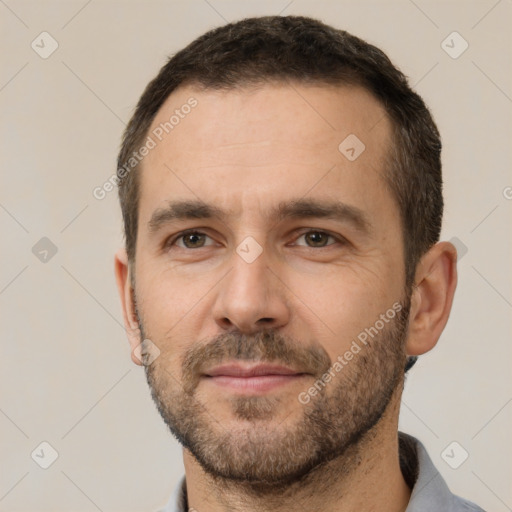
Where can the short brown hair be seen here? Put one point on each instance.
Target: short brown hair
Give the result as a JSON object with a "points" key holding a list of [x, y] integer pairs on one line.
{"points": [[304, 50]]}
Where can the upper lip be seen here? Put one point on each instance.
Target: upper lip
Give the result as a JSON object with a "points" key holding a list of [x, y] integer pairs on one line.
{"points": [[239, 370]]}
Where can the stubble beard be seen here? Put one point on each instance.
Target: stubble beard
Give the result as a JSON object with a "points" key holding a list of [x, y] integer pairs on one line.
{"points": [[267, 454]]}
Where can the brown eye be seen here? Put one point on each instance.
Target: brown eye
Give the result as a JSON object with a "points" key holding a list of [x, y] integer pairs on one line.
{"points": [[316, 238], [191, 240]]}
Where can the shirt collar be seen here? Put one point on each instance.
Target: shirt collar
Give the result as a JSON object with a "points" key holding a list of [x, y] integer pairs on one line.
{"points": [[430, 491]]}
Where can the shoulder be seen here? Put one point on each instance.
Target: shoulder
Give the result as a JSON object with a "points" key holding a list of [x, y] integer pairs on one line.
{"points": [[430, 493], [462, 505]]}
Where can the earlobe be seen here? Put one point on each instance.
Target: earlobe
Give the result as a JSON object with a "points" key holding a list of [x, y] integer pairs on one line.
{"points": [[127, 296], [432, 297]]}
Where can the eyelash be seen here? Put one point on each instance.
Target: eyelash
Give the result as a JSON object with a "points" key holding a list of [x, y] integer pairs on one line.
{"points": [[172, 240]]}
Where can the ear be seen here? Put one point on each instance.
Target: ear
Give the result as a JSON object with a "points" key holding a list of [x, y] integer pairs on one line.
{"points": [[432, 297], [127, 295]]}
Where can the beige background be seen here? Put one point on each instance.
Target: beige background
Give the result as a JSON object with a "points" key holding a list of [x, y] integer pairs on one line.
{"points": [[66, 375]]}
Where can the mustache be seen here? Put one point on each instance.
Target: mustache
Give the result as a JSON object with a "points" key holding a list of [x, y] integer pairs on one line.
{"points": [[265, 346]]}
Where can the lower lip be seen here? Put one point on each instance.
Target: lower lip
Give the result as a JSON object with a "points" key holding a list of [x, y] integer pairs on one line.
{"points": [[257, 384]]}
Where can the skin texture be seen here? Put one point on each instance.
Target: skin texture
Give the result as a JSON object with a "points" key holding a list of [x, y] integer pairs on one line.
{"points": [[302, 302]]}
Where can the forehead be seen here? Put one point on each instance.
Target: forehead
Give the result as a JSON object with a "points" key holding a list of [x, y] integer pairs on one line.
{"points": [[252, 147], [283, 112]]}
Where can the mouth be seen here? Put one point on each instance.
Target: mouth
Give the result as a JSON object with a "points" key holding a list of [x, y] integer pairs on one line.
{"points": [[252, 378]]}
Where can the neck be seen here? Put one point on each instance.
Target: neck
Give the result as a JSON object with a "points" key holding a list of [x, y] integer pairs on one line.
{"points": [[366, 477]]}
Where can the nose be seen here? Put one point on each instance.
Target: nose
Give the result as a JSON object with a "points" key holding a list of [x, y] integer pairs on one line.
{"points": [[251, 297]]}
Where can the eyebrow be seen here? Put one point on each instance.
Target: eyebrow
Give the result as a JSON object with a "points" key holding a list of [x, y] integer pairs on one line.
{"points": [[294, 209]]}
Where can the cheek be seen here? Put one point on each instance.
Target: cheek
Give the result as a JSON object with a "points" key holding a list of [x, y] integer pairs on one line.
{"points": [[342, 304], [165, 307], [166, 295]]}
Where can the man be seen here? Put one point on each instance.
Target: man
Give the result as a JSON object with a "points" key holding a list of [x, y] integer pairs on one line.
{"points": [[280, 185]]}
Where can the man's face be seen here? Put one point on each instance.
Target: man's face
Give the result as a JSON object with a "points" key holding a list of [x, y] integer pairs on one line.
{"points": [[270, 279]]}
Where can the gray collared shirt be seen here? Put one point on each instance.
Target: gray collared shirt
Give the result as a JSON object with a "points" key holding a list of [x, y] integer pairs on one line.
{"points": [[429, 490]]}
